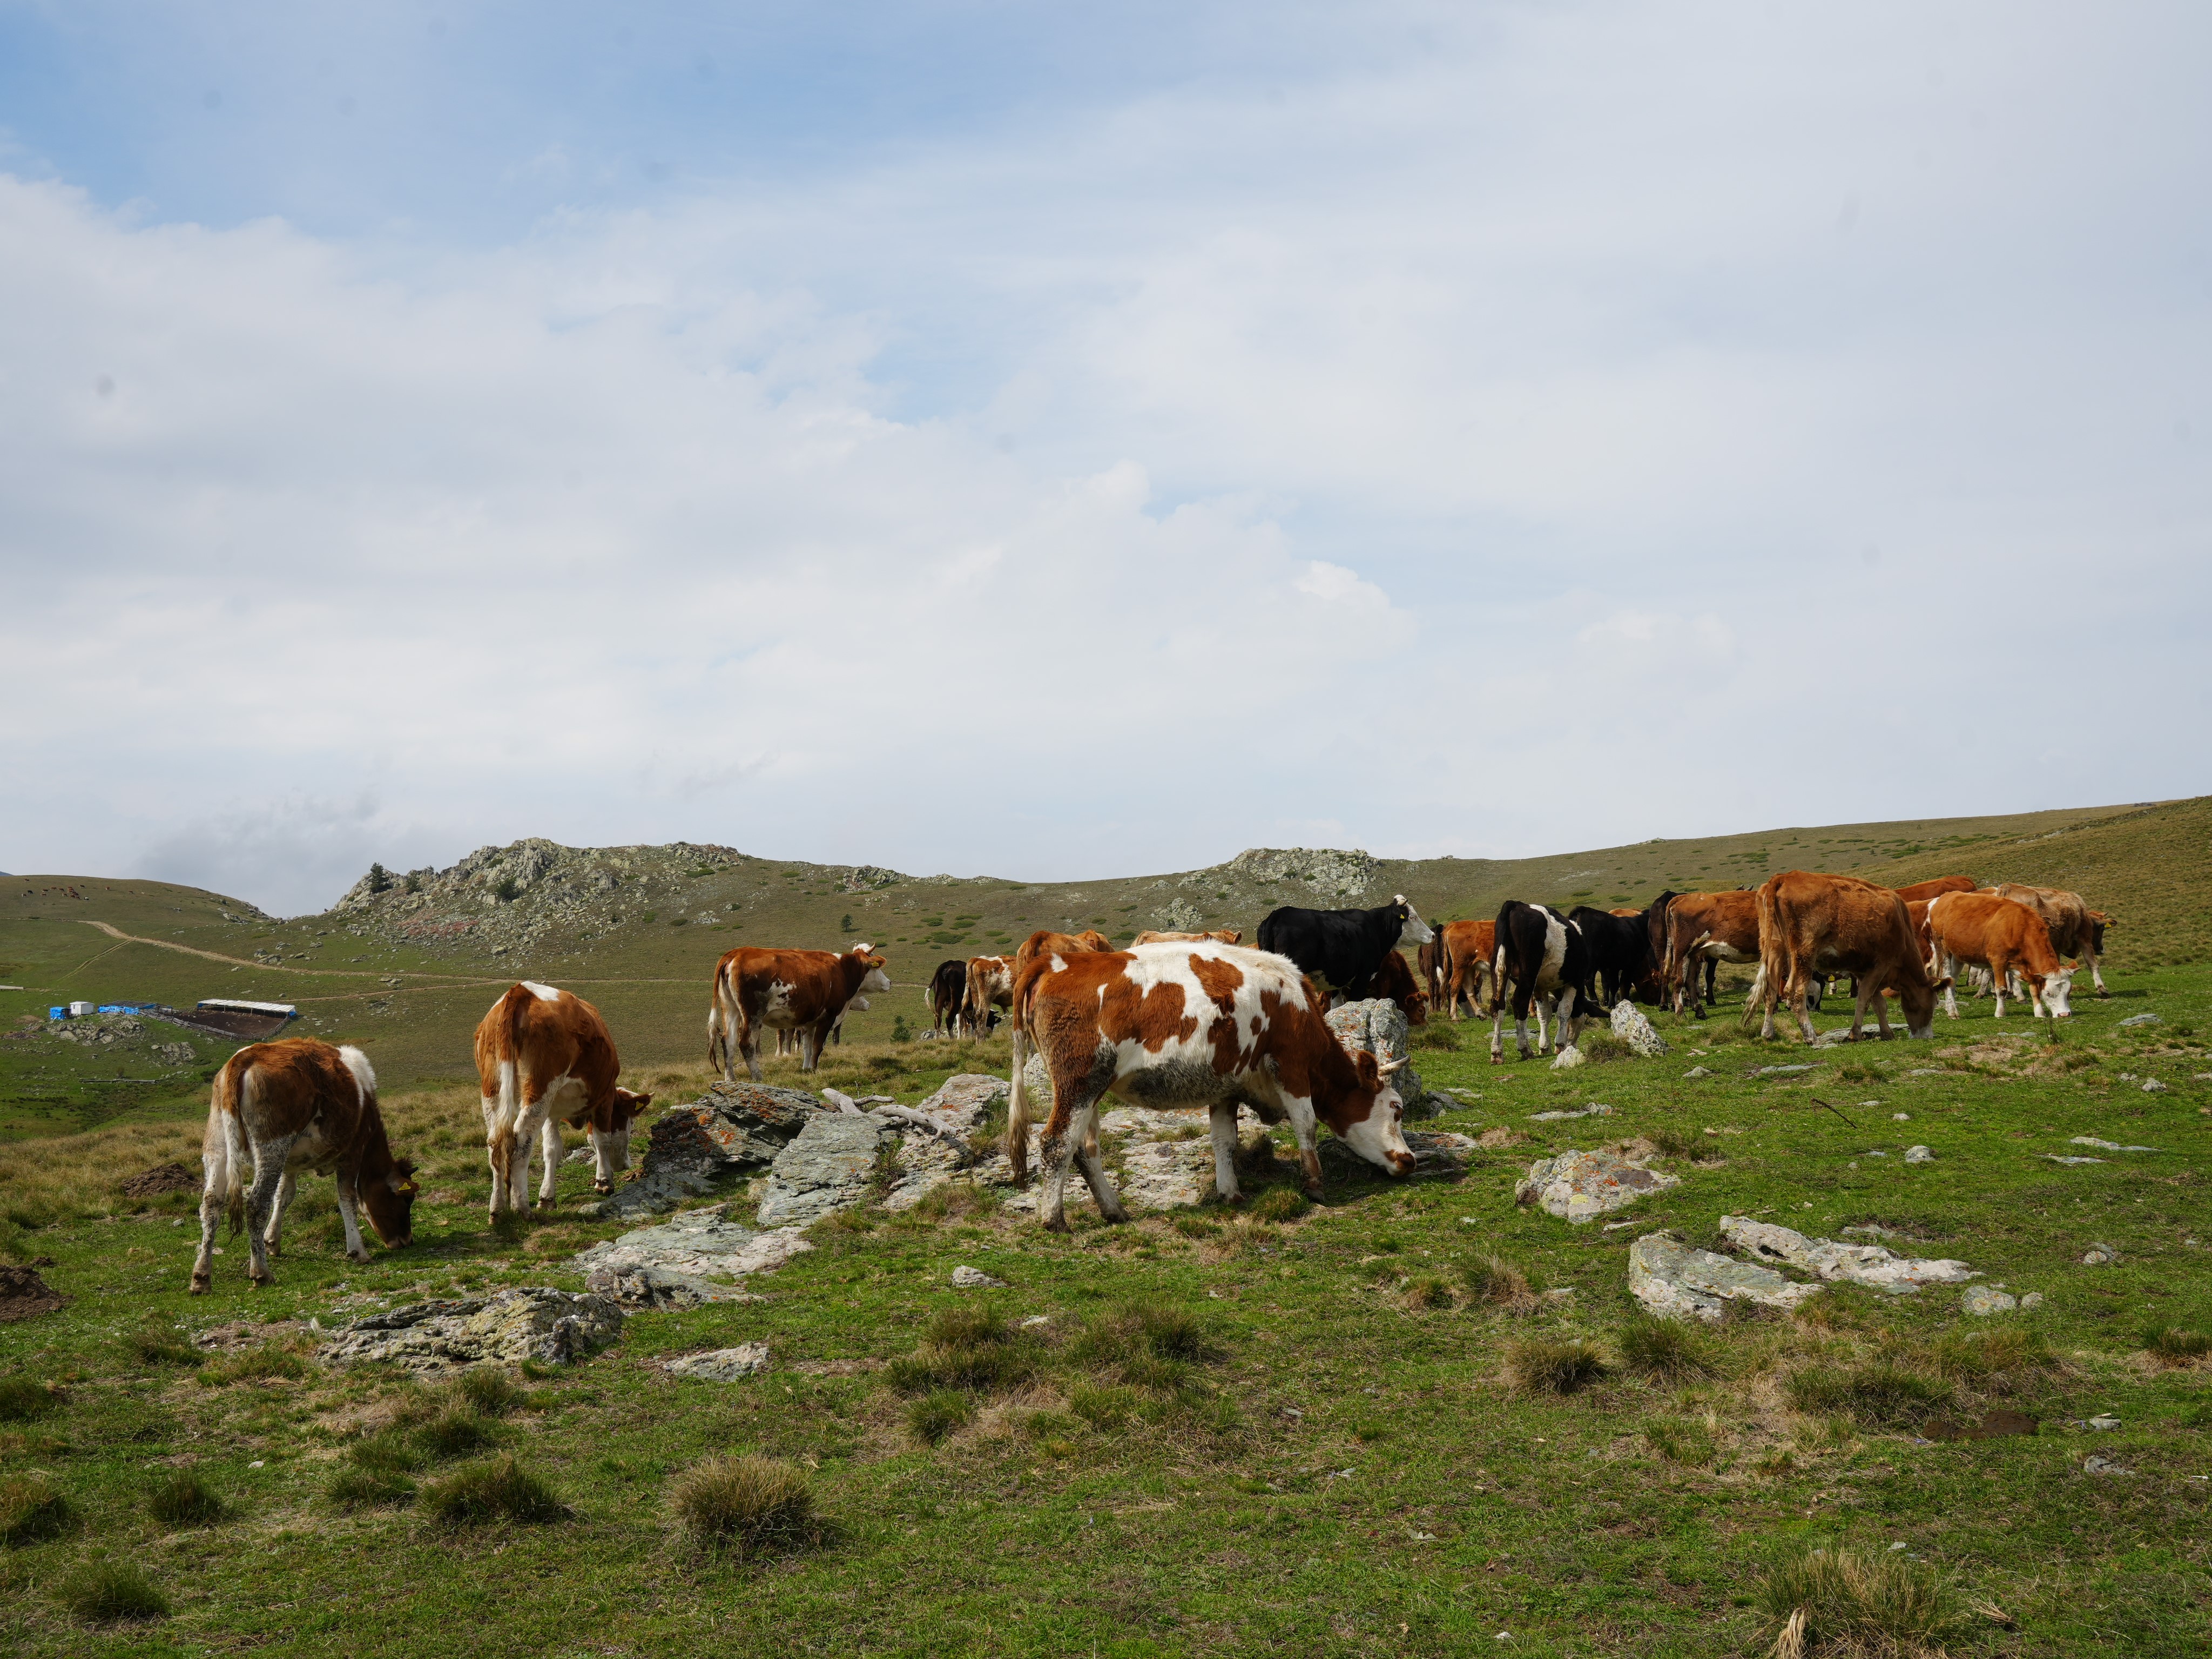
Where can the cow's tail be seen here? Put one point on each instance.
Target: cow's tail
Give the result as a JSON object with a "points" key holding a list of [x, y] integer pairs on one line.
{"points": [[509, 1030], [1018, 1096], [224, 1151], [1775, 966]]}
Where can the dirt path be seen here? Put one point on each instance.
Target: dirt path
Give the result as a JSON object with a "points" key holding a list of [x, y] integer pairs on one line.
{"points": [[115, 932]]}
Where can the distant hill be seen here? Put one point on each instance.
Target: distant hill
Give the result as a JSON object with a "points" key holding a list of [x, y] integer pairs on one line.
{"points": [[407, 962]]}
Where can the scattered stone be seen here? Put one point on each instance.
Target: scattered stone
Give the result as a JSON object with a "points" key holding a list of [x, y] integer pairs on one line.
{"points": [[1699, 1071], [2095, 1464], [2056, 1158], [721, 1364], [1439, 1148], [163, 1178], [1861, 1264], [2107, 1146], [692, 1149], [1999, 1422], [1679, 1281], [1035, 1320], [1985, 1299], [677, 1264], [1901, 1117], [2033, 1299], [1632, 1027], [2097, 1254], [504, 1327], [1490, 1140], [2138, 1019], [2104, 1422], [1591, 1110], [975, 1279], [1925, 1071], [1578, 1186], [1378, 1025], [1568, 1058], [1870, 1231], [2152, 1086], [1562, 1293], [1918, 1155], [826, 1168], [24, 1295], [581, 1155]]}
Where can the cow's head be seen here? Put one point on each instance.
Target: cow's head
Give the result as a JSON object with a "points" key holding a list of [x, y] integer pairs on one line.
{"points": [[628, 1109], [2053, 992], [1915, 1000], [1417, 1007], [1412, 929], [1227, 935], [390, 1201], [2098, 922], [1371, 1119], [875, 979]]}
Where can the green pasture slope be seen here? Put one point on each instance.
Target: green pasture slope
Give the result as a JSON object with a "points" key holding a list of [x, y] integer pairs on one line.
{"points": [[1353, 1452]]}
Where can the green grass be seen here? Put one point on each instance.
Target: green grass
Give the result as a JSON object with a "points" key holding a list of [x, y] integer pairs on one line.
{"points": [[182, 1498], [33, 1508], [481, 1494], [25, 1400], [112, 1592]]}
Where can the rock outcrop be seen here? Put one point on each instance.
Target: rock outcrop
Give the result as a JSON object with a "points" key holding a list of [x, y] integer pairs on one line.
{"points": [[1578, 1186], [687, 1262], [1379, 1026], [504, 1327], [826, 1168], [1861, 1264], [693, 1149], [1677, 1280]]}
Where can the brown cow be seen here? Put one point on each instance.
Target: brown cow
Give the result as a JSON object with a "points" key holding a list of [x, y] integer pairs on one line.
{"points": [[544, 1057], [1706, 927], [1218, 935], [1466, 951], [990, 985], [1924, 891], [1212, 1025], [2005, 936], [2076, 930], [1393, 981], [1811, 924], [1044, 943], [803, 991], [285, 1107]]}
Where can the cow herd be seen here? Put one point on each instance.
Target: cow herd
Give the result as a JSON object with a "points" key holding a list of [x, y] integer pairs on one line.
{"points": [[1173, 1020]]}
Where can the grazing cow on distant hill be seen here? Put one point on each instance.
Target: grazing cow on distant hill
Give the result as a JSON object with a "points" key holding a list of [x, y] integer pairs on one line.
{"points": [[1703, 929], [1342, 947], [1811, 923], [2076, 930], [283, 1107], [990, 985], [947, 996], [1466, 958], [2005, 937], [1218, 935], [1190, 1025], [1541, 958], [543, 1057], [1924, 891], [1393, 981], [1617, 953], [801, 991]]}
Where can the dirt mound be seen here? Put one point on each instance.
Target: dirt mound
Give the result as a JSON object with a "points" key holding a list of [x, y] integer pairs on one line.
{"points": [[171, 1177], [24, 1295]]}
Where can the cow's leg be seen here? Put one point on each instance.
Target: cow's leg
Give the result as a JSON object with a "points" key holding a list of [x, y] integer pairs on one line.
{"points": [[1018, 1108], [2000, 982], [1304, 1127], [274, 1237], [1544, 1005], [1521, 998], [1946, 967], [1224, 1122], [1083, 1136], [268, 1161], [749, 1046], [551, 1150], [1497, 1032], [348, 1198], [2096, 974], [1564, 1016], [215, 1154], [1800, 993]]}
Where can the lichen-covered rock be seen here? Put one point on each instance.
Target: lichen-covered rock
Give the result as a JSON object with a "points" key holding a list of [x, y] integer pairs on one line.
{"points": [[721, 1364], [504, 1327], [1379, 1026], [826, 1168], [1632, 1027], [1577, 1186], [692, 1149], [965, 1101], [1918, 1155], [676, 1265], [1861, 1264], [1679, 1281], [1985, 1299]]}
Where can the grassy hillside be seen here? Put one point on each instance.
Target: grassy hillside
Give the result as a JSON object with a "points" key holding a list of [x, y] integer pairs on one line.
{"points": [[407, 970]]}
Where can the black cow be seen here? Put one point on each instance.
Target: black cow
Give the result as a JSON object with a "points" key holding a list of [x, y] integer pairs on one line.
{"points": [[1619, 953], [1543, 957], [1342, 946], [948, 996]]}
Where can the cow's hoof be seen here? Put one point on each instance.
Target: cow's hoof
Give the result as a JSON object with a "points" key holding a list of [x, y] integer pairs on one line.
{"points": [[1057, 1224], [202, 1284], [604, 1186], [361, 1254]]}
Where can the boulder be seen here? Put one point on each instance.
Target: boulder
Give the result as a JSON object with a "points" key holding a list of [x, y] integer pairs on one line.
{"points": [[1918, 1155], [964, 1101], [826, 1168], [1861, 1264], [2098, 1255], [692, 1149], [1631, 1025], [2137, 1019], [1378, 1025], [504, 1327], [1982, 1300], [1577, 1186], [676, 1265], [1679, 1281], [721, 1364]]}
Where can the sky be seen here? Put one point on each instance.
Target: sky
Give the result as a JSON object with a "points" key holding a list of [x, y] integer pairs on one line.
{"points": [[1056, 442]]}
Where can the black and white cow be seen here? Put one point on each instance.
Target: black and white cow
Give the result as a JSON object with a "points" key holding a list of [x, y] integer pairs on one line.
{"points": [[1541, 958], [1343, 947], [1619, 954]]}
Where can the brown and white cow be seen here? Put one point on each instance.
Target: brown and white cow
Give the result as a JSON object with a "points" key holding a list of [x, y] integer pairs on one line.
{"points": [[283, 1107], [544, 1058], [1924, 891], [1466, 953], [1191, 1025], [2004, 936], [1394, 982], [2076, 930], [1811, 924], [1218, 935], [990, 985], [803, 992], [1702, 928], [1045, 944]]}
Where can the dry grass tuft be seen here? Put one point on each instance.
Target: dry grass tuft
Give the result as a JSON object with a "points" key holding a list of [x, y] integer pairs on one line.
{"points": [[1840, 1602], [112, 1592], [747, 1505], [1543, 1365], [33, 1507], [1493, 1282]]}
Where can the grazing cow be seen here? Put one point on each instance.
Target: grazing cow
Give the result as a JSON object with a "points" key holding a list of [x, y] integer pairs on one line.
{"points": [[285, 1107], [990, 985], [1043, 945], [1342, 947], [2005, 937], [1466, 958], [1189, 1025], [1617, 952], [1541, 958], [1810, 923], [948, 996], [544, 1058], [803, 992], [2076, 930], [1394, 982], [1924, 891], [1218, 935], [1703, 930], [1429, 960]]}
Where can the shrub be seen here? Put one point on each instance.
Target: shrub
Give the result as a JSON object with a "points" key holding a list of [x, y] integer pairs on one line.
{"points": [[1841, 1598], [32, 1508], [1495, 1282], [1882, 1392], [937, 1414], [487, 1390], [22, 1401], [748, 1505], [453, 1434], [367, 1487], [1665, 1349], [1541, 1364], [501, 1489], [2175, 1346], [1281, 1204], [105, 1592], [1679, 1441], [181, 1498]]}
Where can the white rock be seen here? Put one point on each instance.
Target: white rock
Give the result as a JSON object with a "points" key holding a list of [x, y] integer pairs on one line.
{"points": [[2104, 1423], [1861, 1264], [1577, 1187], [1591, 1110], [2154, 1087], [1699, 1071], [2097, 1254], [2107, 1146], [1983, 1299], [1567, 1059], [975, 1279], [1901, 1117], [1677, 1281], [721, 1364], [1632, 1027], [1918, 1155], [2033, 1299]]}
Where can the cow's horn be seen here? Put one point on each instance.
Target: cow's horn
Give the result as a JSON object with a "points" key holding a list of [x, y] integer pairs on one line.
{"points": [[1393, 1066]]}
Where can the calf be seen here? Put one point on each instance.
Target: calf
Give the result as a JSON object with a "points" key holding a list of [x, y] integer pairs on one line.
{"points": [[990, 985], [947, 997], [1190, 1025], [803, 992], [1617, 952], [2005, 937], [1465, 953], [2076, 930], [543, 1057], [285, 1107], [1810, 923], [1541, 958], [1394, 982], [1342, 947]]}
